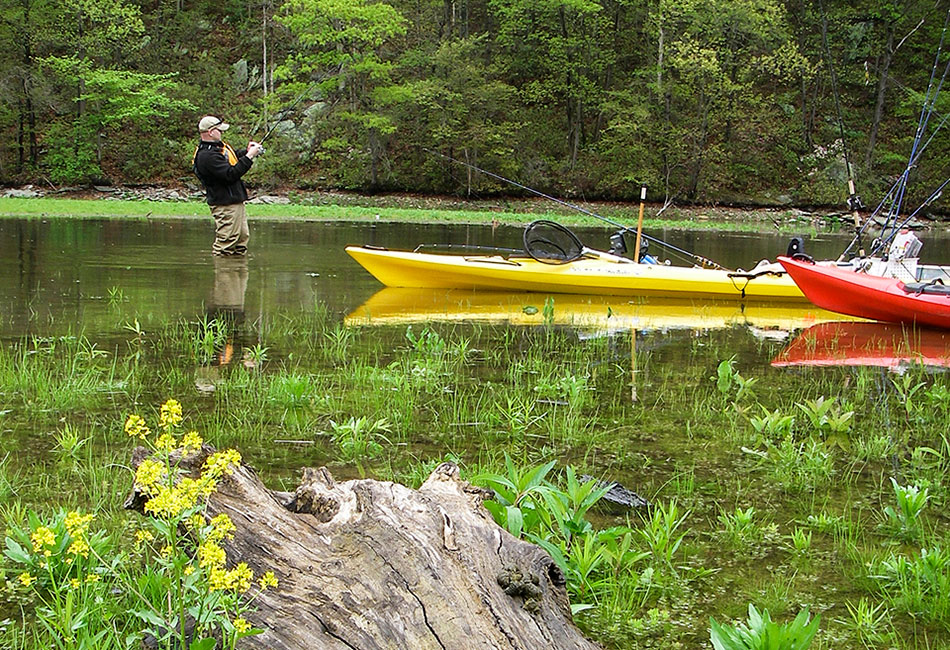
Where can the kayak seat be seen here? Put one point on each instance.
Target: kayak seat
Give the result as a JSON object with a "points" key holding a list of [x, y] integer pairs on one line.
{"points": [[934, 287]]}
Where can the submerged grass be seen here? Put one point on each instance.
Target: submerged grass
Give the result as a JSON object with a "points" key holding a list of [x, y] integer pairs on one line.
{"points": [[816, 489], [433, 210]]}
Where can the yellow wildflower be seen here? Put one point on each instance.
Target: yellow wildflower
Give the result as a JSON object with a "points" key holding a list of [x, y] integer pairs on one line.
{"points": [[190, 489], [167, 443], [92, 578], [75, 583], [26, 579], [43, 537], [191, 442], [211, 555], [218, 463], [135, 427], [196, 521], [77, 524], [241, 625], [268, 580], [189, 570], [237, 579], [167, 550], [78, 547], [168, 502], [217, 579], [142, 536], [148, 473], [240, 577], [170, 414], [207, 486], [221, 528]]}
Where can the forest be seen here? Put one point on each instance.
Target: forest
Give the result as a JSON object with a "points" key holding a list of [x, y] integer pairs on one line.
{"points": [[745, 102]]}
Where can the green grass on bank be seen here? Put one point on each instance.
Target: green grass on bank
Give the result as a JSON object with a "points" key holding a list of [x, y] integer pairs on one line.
{"points": [[427, 212]]}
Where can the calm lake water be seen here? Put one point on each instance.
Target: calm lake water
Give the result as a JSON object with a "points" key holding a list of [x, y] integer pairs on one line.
{"points": [[59, 276]]}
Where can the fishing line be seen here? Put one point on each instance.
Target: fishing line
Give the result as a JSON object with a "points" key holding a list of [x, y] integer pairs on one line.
{"points": [[283, 113], [834, 92], [926, 110], [693, 257], [895, 196]]}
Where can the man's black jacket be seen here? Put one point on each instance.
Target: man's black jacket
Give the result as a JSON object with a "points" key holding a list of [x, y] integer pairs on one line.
{"points": [[221, 179]]}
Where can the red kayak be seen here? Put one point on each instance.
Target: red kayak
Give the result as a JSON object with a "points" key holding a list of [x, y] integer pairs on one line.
{"points": [[870, 296], [866, 344]]}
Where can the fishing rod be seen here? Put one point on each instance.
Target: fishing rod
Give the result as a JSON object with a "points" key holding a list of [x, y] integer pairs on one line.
{"points": [[283, 113], [854, 201], [895, 196], [692, 256]]}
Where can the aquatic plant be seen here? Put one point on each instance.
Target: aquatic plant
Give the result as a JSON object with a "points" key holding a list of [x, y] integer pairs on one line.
{"points": [[359, 438], [761, 633], [660, 532], [337, 343], [69, 442], [905, 518], [800, 540], [829, 420], [799, 465], [741, 530], [730, 383], [772, 425], [870, 623], [907, 389], [918, 584]]}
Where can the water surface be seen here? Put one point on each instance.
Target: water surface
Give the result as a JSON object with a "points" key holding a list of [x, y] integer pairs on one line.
{"points": [[66, 275]]}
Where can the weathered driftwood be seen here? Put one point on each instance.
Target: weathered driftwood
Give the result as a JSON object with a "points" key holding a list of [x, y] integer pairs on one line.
{"points": [[369, 564]]}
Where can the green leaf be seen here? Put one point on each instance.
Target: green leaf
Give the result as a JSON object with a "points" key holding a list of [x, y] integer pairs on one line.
{"points": [[206, 643], [514, 520], [16, 552]]}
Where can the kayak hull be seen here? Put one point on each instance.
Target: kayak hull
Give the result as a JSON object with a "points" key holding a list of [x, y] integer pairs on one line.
{"points": [[596, 276], [867, 296]]}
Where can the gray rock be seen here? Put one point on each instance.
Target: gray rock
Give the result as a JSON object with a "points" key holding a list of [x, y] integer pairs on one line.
{"points": [[23, 193]]}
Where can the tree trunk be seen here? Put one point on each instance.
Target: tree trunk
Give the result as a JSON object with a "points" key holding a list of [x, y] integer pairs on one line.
{"points": [[879, 104], [370, 564]]}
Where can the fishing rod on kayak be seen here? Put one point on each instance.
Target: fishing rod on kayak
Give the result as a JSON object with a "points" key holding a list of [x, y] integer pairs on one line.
{"points": [[854, 201], [895, 196], [691, 256]]}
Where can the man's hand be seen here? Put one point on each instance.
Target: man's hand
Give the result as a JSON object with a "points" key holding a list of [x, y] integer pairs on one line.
{"points": [[253, 150]]}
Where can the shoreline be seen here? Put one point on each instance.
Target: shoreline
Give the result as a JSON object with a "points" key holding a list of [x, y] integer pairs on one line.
{"points": [[160, 202]]}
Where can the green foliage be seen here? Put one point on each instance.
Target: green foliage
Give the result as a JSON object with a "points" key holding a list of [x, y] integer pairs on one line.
{"points": [[772, 424], [359, 438], [730, 383], [829, 420], [904, 519], [761, 633], [918, 584], [709, 101], [73, 157]]}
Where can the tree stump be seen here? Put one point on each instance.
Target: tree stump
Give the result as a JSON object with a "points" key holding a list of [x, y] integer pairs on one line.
{"points": [[370, 564]]}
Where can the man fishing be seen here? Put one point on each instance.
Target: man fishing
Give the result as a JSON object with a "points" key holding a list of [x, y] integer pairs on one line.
{"points": [[220, 168]]}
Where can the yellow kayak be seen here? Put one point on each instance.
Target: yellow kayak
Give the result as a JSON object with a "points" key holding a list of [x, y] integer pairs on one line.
{"points": [[394, 306], [600, 274]]}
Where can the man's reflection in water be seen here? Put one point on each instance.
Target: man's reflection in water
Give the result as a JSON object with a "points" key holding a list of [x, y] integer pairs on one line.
{"points": [[224, 319]]}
